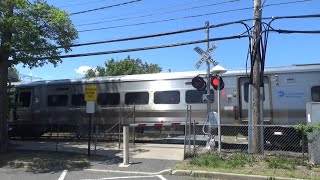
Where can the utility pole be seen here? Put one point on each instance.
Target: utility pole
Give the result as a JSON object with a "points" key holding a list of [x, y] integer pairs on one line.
{"points": [[255, 79]]}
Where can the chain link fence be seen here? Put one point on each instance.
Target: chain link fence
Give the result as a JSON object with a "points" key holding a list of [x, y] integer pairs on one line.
{"points": [[77, 138], [266, 140]]}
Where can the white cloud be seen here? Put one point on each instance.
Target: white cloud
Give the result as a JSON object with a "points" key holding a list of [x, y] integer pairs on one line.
{"points": [[82, 69]]}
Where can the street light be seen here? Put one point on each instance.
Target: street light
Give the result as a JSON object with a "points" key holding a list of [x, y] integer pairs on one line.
{"points": [[218, 70]]}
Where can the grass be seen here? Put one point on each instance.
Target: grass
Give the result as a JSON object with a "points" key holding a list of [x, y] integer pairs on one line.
{"points": [[43, 161], [222, 161], [271, 166]]}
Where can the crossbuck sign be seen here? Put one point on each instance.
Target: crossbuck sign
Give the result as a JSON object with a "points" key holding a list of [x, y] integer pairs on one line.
{"points": [[205, 56]]}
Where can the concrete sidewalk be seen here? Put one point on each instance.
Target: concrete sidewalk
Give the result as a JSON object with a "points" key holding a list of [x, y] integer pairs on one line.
{"points": [[139, 150]]}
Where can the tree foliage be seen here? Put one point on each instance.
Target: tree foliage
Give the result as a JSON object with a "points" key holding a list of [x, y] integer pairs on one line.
{"points": [[13, 75], [30, 30], [36, 29], [126, 66]]}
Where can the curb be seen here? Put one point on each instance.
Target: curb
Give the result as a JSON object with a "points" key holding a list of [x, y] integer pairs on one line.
{"points": [[220, 175], [200, 174]]}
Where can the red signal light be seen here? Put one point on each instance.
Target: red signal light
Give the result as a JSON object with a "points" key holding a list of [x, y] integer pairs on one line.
{"points": [[215, 82], [198, 83]]}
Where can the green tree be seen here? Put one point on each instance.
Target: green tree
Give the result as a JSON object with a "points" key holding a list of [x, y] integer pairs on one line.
{"points": [[13, 75], [29, 30], [126, 66]]}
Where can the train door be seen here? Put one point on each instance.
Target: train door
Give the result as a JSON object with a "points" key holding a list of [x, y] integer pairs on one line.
{"points": [[24, 112], [243, 99]]}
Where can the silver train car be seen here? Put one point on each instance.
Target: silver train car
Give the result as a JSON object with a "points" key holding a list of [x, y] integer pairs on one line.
{"points": [[163, 97]]}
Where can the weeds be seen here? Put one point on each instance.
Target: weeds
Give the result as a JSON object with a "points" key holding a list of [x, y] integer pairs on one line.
{"points": [[283, 162], [270, 166], [223, 161]]}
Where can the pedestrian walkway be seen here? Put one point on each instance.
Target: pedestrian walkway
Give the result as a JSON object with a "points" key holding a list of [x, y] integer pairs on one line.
{"points": [[139, 150]]}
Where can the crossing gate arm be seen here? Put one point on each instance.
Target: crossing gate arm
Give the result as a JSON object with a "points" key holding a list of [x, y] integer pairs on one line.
{"points": [[160, 124]]}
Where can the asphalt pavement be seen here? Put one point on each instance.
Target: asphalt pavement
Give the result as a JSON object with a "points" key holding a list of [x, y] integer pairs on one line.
{"points": [[146, 162]]}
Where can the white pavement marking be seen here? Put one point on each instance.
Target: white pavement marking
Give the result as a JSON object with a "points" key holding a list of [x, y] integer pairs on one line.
{"points": [[64, 173], [126, 177], [161, 177], [130, 172]]}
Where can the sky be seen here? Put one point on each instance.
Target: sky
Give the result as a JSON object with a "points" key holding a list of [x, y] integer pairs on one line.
{"points": [[282, 50]]}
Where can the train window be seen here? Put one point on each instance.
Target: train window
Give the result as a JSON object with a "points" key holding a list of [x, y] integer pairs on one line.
{"points": [[167, 97], [315, 93], [195, 96], [137, 98], [108, 99], [25, 99], [57, 100], [246, 92], [78, 100]]}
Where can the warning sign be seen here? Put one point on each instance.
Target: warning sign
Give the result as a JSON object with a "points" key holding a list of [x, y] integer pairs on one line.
{"points": [[90, 93]]}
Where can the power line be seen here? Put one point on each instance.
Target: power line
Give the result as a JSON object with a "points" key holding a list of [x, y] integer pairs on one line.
{"points": [[194, 29], [160, 34], [165, 12], [152, 10], [145, 48], [283, 31], [165, 20], [80, 4], [285, 3], [187, 17], [105, 7], [296, 17]]}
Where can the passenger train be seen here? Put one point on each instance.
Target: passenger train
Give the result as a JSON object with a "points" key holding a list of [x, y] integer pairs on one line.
{"points": [[163, 97]]}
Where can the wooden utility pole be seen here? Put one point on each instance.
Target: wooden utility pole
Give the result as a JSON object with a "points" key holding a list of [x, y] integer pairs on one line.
{"points": [[255, 49]]}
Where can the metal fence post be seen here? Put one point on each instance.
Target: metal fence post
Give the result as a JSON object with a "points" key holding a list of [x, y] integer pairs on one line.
{"points": [[96, 140], [57, 142], [189, 143], [194, 137], [134, 121], [120, 116], [125, 147], [250, 122], [185, 133]]}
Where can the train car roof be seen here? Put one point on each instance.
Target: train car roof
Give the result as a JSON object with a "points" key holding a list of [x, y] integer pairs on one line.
{"points": [[172, 75]]}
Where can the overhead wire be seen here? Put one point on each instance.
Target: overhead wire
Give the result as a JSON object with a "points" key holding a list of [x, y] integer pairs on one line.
{"points": [[144, 48], [105, 7], [285, 3], [80, 4], [162, 34], [187, 17], [134, 13], [249, 29], [159, 13], [165, 20]]}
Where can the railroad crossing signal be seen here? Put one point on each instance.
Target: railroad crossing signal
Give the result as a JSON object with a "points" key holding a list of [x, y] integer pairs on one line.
{"points": [[205, 56], [215, 81], [199, 83]]}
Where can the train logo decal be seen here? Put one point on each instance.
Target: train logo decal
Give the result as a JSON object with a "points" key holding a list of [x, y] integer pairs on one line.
{"points": [[290, 94], [281, 93]]}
